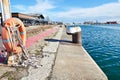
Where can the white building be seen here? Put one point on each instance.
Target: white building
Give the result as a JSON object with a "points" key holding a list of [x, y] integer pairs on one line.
{"points": [[118, 22]]}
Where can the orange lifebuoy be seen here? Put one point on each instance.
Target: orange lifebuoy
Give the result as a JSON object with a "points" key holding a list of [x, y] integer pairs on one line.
{"points": [[7, 34]]}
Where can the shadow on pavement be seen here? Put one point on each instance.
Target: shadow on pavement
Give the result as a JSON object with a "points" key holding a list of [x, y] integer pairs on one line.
{"points": [[56, 40]]}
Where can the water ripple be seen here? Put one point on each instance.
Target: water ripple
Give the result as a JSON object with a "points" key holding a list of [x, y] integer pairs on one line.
{"points": [[103, 44]]}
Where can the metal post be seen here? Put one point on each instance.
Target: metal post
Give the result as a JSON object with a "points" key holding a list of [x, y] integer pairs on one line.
{"points": [[5, 7], [6, 14]]}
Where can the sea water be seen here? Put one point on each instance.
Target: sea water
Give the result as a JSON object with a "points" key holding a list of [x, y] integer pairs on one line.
{"points": [[102, 42]]}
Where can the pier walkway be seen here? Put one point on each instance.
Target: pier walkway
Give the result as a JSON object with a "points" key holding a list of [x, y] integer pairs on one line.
{"points": [[74, 63], [61, 60]]}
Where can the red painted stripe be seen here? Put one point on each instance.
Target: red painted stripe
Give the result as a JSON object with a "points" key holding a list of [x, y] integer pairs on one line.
{"points": [[30, 41]]}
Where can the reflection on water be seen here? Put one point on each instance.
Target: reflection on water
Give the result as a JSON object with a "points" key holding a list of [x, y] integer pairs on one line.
{"points": [[102, 42]]}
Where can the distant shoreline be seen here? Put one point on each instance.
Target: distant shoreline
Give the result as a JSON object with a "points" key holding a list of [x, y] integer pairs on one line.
{"points": [[102, 24]]}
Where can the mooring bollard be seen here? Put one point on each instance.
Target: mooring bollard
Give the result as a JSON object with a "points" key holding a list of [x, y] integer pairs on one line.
{"points": [[76, 38], [76, 33]]}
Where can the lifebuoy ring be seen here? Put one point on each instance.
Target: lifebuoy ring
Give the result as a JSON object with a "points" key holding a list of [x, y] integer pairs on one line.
{"points": [[7, 34]]}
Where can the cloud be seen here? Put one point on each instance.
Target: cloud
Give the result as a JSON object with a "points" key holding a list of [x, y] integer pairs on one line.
{"points": [[40, 6], [108, 11], [118, 0], [111, 9], [19, 7]]}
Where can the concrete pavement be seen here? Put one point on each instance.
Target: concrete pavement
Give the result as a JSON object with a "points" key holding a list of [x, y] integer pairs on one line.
{"points": [[45, 63], [63, 60], [74, 63]]}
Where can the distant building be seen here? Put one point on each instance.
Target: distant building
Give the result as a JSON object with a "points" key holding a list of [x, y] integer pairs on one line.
{"points": [[28, 20], [88, 22], [59, 23], [118, 22], [40, 19], [112, 22]]}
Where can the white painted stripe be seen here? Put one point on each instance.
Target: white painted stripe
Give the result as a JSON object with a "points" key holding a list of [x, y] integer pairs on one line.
{"points": [[22, 32], [6, 40]]}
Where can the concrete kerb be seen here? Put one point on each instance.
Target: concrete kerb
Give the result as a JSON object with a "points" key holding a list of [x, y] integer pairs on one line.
{"points": [[46, 63], [103, 75]]}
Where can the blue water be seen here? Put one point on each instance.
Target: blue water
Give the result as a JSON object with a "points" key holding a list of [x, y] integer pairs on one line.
{"points": [[102, 42]]}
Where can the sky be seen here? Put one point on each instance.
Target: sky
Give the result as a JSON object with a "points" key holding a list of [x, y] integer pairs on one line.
{"points": [[70, 10]]}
